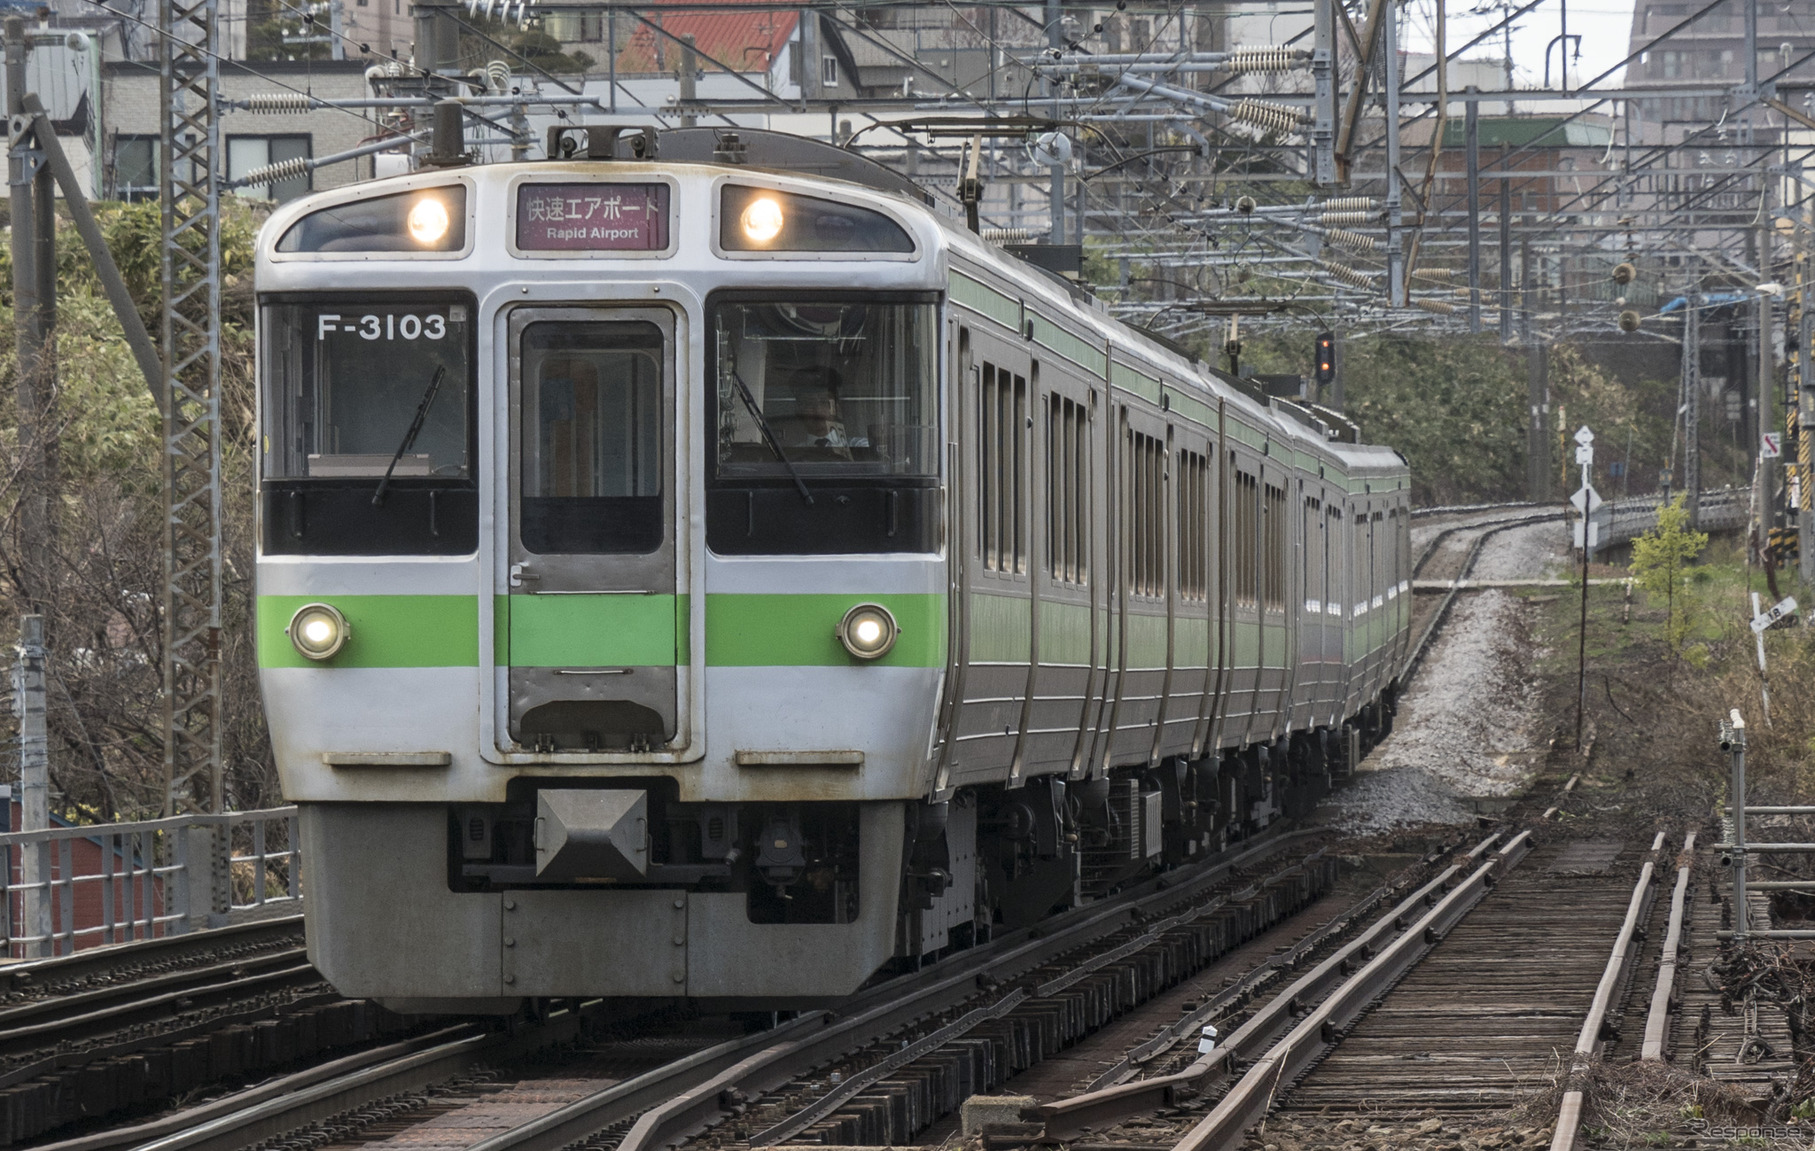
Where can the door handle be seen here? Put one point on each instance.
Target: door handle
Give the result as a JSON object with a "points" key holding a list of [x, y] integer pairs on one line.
{"points": [[519, 573]]}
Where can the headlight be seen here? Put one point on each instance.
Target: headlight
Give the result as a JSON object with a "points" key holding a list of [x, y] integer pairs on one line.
{"points": [[318, 630], [428, 221], [762, 220], [868, 631]]}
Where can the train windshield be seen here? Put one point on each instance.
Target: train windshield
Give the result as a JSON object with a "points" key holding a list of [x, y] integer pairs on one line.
{"points": [[835, 388], [358, 389]]}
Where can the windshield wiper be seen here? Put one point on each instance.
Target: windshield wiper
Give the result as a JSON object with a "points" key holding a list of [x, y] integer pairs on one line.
{"points": [[743, 392], [409, 437]]}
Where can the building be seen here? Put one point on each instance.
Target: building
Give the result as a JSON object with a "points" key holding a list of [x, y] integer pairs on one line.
{"points": [[1710, 53], [133, 121]]}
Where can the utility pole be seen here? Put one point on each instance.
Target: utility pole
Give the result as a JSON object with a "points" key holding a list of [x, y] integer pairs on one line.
{"points": [[1055, 198], [1506, 289], [1765, 393], [34, 253], [1692, 398], [34, 776], [190, 275], [1395, 217], [1323, 80], [1472, 129]]}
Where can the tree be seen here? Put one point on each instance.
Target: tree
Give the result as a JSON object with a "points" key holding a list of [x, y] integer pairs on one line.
{"points": [[1658, 558]]}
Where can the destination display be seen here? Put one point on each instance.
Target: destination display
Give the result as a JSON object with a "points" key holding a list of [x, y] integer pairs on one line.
{"points": [[592, 217]]}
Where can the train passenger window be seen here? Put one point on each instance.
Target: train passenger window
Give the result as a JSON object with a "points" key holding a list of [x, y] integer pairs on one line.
{"points": [[1002, 451], [1246, 576], [1193, 526], [824, 410], [591, 454], [1313, 551], [1273, 550], [1144, 514], [1068, 491]]}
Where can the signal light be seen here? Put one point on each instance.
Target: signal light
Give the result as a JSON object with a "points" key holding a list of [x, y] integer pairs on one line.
{"points": [[1326, 358]]}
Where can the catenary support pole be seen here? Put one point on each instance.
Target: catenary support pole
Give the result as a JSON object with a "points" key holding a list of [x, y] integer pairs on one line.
{"points": [[1472, 128], [34, 777]]}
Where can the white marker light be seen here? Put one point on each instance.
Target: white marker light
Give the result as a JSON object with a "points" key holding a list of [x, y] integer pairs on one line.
{"points": [[762, 220], [868, 631], [428, 221], [318, 630]]}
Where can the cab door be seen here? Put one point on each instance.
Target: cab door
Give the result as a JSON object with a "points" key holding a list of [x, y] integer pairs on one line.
{"points": [[593, 621]]}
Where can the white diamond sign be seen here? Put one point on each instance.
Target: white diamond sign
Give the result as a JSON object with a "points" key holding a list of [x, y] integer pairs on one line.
{"points": [[1586, 499], [1584, 436]]}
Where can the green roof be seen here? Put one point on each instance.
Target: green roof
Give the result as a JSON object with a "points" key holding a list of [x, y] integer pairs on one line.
{"points": [[1519, 131]]}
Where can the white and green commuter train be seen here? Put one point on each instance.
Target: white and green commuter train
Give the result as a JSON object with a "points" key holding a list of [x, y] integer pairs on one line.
{"points": [[720, 575]]}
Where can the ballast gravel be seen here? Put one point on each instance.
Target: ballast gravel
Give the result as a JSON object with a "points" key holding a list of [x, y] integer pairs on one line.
{"points": [[1466, 729]]}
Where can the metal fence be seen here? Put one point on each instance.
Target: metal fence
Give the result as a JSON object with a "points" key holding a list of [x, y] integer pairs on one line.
{"points": [[119, 882], [1721, 509]]}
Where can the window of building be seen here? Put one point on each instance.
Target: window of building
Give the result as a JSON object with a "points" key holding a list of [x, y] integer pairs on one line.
{"points": [[592, 26], [1002, 422], [1068, 491], [828, 71], [135, 167], [247, 154], [1193, 526]]}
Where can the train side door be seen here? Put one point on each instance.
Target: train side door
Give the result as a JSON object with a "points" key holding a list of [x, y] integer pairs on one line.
{"points": [[592, 623]]}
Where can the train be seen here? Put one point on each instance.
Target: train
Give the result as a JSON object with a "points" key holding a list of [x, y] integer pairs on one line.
{"points": [[701, 567]]}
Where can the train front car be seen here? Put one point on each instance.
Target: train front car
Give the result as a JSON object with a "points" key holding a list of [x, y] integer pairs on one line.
{"points": [[600, 593]]}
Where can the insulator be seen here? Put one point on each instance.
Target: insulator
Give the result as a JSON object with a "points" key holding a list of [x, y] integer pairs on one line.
{"points": [[1265, 58], [1441, 275], [1465, 292], [497, 75], [1276, 116], [272, 173], [1011, 235], [1355, 240], [279, 102], [1246, 205], [1629, 321], [1351, 204], [1441, 307], [1346, 274], [1625, 273], [1332, 219]]}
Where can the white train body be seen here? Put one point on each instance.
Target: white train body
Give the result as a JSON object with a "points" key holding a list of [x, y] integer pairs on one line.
{"points": [[604, 712]]}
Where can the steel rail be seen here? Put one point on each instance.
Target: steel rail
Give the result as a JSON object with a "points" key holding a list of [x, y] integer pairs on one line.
{"points": [[1588, 1040], [124, 1003], [1322, 1027], [1492, 528], [1657, 1020], [665, 1111], [1244, 988], [678, 1089], [92, 960], [1067, 1118], [147, 1132], [1153, 936]]}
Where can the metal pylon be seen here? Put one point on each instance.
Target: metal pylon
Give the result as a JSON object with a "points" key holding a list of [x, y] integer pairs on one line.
{"points": [[189, 77]]}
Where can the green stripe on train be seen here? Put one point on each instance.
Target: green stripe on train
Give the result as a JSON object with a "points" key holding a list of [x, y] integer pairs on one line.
{"points": [[603, 630], [800, 630], [387, 630]]}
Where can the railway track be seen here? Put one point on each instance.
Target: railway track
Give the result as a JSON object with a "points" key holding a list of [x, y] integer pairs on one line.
{"points": [[115, 1030], [1511, 970], [884, 1067], [996, 1008]]}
